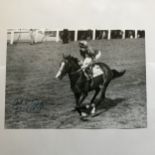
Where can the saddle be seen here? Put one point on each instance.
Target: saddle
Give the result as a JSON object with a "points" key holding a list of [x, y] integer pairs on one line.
{"points": [[93, 71]]}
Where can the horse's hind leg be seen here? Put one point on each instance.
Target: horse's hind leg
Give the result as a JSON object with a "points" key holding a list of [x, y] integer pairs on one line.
{"points": [[97, 90], [93, 106], [103, 91]]}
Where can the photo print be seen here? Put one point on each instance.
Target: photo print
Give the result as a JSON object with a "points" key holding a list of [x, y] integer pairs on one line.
{"points": [[75, 78]]}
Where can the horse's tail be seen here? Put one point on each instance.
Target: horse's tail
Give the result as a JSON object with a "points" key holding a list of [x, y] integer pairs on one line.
{"points": [[117, 74]]}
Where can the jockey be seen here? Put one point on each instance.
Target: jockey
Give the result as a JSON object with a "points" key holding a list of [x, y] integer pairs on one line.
{"points": [[89, 55]]}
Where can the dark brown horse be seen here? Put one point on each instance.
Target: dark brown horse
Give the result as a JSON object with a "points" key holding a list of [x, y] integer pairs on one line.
{"points": [[80, 85]]}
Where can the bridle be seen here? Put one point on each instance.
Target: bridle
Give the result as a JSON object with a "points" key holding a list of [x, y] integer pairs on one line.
{"points": [[72, 73]]}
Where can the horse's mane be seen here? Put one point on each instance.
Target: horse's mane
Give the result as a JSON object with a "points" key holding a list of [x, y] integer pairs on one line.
{"points": [[69, 57]]}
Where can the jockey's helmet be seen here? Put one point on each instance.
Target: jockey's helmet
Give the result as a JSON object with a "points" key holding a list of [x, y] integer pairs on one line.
{"points": [[83, 44]]}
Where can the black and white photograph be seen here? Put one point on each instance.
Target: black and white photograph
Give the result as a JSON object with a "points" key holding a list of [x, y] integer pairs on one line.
{"points": [[75, 78]]}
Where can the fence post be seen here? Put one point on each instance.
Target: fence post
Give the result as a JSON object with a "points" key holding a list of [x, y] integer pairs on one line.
{"points": [[36, 36], [57, 36], [94, 32], [75, 35], [109, 34], [136, 34], [12, 37], [123, 35]]}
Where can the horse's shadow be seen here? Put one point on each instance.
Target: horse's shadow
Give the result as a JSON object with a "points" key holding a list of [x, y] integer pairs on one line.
{"points": [[108, 103], [103, 105]]}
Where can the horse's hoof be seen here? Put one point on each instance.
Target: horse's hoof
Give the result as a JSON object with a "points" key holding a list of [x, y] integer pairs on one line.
{"points": [[87, 106], [93, 111], [83, 114]]}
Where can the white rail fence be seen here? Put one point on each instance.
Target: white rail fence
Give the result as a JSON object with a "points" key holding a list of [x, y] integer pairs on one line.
{"points": [[42, 35]]}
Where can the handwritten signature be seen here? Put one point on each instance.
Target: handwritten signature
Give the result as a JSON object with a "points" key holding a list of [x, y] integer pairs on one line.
{"points": [[27, 105]]}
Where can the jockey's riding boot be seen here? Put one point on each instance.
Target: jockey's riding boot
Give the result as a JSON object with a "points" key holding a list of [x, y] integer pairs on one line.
{"points": [[87, 76]]}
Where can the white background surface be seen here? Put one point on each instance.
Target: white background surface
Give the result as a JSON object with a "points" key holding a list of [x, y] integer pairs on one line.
{"points": [[136, 14]]}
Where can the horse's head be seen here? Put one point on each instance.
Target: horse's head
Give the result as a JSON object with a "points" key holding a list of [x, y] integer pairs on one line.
{"points": [[68, 65]]}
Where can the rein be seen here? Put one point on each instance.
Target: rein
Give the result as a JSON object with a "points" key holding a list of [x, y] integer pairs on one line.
{"points": [[76, 71]]}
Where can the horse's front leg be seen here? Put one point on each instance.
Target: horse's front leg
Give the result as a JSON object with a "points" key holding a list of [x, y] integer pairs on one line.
{"points": [[77, 99], [83, 98], [83, 114]]}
